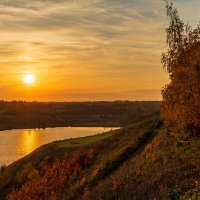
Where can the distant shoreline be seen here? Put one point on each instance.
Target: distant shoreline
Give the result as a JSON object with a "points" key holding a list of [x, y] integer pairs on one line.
{"points": [[24, 115], [59, 126]]}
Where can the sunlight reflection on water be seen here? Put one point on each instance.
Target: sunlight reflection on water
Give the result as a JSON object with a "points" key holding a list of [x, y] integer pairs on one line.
{"points": [[28, 142]]}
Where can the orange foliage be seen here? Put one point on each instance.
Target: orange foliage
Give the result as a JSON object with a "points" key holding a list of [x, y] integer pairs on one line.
{"points": [[181, 104], [54, 177]]}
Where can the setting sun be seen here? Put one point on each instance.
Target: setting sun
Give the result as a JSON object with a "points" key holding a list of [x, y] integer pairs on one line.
{"points": [[29, 79]]}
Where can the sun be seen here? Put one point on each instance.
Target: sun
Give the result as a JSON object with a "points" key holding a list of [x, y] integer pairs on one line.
{"points": [[29, 79]]}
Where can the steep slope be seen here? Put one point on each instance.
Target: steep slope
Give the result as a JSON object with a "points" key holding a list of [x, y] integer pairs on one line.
{"points": [[164, 169]]}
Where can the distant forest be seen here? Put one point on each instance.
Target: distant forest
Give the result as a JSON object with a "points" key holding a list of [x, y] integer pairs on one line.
{"points": [[19, 114]]}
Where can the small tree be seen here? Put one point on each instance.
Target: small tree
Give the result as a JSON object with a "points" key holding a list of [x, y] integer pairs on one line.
{"points": [[181, 97]]}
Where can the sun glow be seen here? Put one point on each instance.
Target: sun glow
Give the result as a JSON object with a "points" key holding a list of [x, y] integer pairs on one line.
{"points": [[29, 79]]}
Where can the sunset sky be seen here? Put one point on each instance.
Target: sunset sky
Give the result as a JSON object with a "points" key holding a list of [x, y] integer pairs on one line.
{"points": [[80, 50]]}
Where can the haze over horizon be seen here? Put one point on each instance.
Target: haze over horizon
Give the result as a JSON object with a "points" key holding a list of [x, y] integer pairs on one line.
{"points": [[85, 50]]}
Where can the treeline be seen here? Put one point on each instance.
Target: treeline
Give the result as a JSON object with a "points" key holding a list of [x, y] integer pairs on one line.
{"points": [[181, 98], [18, 114]]}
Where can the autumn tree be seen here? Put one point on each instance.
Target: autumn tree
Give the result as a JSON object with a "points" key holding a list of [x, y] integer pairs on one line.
{"points": [[181, 97]]}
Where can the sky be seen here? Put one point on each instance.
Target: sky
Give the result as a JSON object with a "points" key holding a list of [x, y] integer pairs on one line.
{"points": [[85, 50]]}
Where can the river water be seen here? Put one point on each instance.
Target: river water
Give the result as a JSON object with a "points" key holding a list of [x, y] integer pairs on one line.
{"points": [[17, 143]]}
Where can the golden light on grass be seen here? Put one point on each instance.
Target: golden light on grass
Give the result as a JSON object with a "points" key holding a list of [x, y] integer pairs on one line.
{"points": [[29, 79]]}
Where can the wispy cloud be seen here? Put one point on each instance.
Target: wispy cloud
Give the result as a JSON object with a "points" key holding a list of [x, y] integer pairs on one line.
{"points": [[110, 45]]}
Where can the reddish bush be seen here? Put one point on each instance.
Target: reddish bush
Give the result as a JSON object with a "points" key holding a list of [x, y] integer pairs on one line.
{"points": [[54, 178]]}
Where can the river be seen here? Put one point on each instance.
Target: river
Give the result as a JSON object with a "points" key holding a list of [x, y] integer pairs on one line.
{"points": [[17, 143]]}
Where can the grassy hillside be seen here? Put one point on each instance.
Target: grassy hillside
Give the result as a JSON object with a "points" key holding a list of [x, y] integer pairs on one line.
{"points": [[164, 169], [141, 161]]}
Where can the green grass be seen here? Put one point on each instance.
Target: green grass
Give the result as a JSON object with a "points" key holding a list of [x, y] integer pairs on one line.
{"points": [[75, 142]]}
